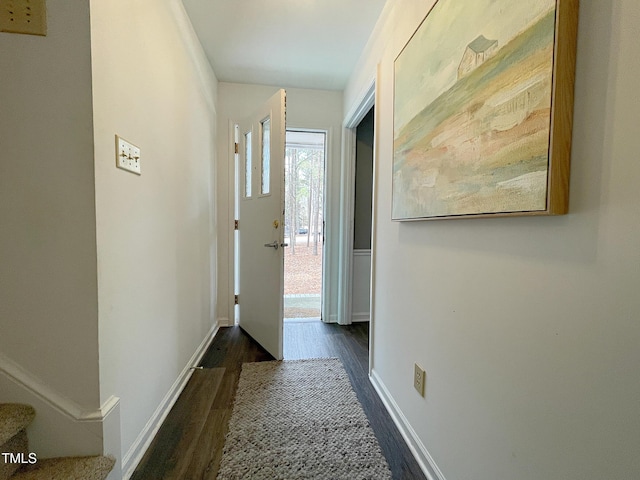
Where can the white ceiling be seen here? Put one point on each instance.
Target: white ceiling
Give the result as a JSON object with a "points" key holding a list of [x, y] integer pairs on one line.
{"points": [[285, 43]]}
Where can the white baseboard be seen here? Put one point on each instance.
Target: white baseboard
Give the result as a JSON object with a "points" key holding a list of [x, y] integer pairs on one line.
{"points": [[422, 456], [360, 317], [224, 322], [355, 317], [132, 458]]}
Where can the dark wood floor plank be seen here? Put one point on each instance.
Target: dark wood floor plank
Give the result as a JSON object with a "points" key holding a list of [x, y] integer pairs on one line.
{"points": [[306, 340], [172, 448], [227, 389], [205, 464], [353, 354]]}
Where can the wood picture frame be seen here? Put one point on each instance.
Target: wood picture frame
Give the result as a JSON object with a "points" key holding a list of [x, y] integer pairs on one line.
{"points": [[483, 110]]}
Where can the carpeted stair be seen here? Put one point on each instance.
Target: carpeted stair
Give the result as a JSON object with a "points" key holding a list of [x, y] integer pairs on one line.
{"points": [[14, 419]]}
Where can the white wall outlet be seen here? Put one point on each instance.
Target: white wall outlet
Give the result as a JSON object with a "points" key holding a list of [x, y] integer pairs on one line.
{"points": [[23, 16], [127, 156], [419, 379]]}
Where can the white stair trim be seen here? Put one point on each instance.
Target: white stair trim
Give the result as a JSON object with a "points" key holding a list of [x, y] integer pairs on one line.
{"points": [[59, 402], [419, 451]]}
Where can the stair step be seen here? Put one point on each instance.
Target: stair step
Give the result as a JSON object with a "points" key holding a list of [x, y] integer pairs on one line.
{"points": [[17, 445], [13, 418], [67, 468]]}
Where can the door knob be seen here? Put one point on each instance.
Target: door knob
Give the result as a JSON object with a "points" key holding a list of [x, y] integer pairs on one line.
{"points": [[273, 244]]}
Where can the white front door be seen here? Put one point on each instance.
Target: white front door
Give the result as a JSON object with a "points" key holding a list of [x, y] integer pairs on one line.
{"points": [[261, 227]]}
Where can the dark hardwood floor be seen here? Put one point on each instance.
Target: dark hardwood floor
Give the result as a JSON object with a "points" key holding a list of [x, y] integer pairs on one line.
{"points": [[190, 441]]}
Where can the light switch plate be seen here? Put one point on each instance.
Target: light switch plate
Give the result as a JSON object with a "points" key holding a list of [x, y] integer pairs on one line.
{"points": [[127, 156], [23, 16]]}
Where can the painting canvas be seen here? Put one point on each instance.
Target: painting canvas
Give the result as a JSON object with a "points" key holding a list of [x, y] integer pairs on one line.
{"points": [[474, 97]]}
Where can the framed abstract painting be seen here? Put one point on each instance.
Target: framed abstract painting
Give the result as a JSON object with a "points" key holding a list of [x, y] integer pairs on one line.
{"points": [[483, 106]]}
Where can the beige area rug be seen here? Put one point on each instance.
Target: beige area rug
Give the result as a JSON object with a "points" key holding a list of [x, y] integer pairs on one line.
{"points": [[299, 420]]}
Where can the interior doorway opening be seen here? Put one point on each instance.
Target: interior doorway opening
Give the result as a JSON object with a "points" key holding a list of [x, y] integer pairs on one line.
{"points": [[305, 160]]}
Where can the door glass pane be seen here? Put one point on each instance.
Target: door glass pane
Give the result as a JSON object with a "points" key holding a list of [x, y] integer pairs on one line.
{"points": [[266, 156], [247, 164]]}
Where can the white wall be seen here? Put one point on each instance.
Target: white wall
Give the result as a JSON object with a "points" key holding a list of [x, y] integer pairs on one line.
{"points": [[312, 109], [527, 327], [48, 292], [361, 286], [156, 246]]}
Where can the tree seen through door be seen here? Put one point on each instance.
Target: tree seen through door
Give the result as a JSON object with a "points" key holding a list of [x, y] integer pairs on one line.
{"points": [[304, 221]]}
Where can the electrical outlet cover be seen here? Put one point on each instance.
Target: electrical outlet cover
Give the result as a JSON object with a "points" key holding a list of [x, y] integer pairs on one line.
{"points": [[419, 379]]}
